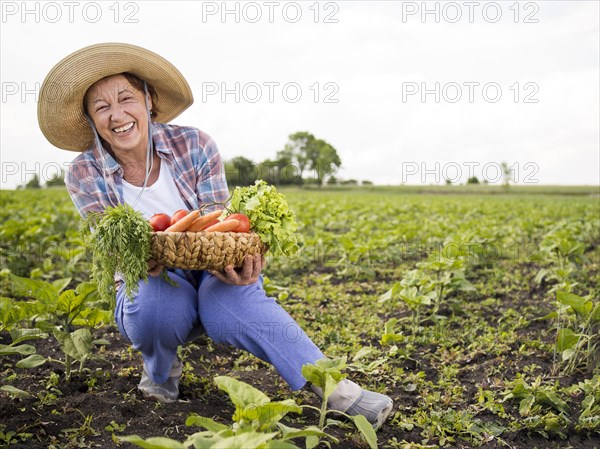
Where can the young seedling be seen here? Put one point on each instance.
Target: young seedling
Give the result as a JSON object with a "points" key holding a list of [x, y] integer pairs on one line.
{"points": [[326, 374], [578, 337]]}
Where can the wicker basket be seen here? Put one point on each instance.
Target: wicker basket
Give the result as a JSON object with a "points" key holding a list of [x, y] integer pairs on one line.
{"points": [[204, 250]]}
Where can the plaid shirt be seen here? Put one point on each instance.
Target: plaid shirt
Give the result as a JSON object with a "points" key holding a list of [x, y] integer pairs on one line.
{"points": [[190, 154]]}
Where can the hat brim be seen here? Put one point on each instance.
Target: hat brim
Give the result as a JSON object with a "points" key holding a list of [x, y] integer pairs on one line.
{"points": [[60, 107]]}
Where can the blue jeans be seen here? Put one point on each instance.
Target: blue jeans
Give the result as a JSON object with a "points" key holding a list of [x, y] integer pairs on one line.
{"points": [[162, 317]]}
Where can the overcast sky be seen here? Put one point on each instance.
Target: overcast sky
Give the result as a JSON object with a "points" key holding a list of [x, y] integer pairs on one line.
{"points": [[411, 92]]}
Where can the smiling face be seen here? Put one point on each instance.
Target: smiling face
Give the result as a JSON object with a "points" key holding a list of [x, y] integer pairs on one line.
{"points": [[119, 113]]}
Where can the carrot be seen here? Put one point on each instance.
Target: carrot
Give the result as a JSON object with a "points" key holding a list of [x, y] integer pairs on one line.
{"points": [[203, 220], [224, 226], [184, 223], [210, 223]]}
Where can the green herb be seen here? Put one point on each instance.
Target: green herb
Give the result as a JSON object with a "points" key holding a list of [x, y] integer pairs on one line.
{"points": [[120, 242], [270, 216]]}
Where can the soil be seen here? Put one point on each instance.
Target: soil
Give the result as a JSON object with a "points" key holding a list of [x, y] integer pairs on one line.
{"points": [[113, 398]]}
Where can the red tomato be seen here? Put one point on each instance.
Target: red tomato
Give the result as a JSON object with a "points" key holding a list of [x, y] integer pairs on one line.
{"points": [[244, 222], [178, 216], [160, 222]]}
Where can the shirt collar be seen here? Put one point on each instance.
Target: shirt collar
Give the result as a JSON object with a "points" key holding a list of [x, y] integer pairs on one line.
{"points": [[160, 139]]}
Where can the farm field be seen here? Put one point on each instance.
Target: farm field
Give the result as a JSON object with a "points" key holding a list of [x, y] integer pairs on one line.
{"points": [[478, 314]]}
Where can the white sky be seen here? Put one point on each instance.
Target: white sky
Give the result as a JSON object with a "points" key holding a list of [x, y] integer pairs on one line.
{"points": [[372, 58]]}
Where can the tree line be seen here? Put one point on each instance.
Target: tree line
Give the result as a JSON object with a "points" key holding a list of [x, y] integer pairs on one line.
{"points": [[304, 160]]}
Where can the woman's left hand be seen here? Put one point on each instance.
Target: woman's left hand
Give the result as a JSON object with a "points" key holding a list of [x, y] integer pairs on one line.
{"points": [[246, 275]]}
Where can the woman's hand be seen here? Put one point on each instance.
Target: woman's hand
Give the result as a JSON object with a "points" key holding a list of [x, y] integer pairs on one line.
{"points": [[154, 269], [246, 275]]}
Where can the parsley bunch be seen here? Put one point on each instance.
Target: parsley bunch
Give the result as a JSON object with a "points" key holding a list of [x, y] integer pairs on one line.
{"points": [[270, 216], [120, 240]]}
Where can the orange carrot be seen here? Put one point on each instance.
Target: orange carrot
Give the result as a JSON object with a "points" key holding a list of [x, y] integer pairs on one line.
{"points": [[184, 223], [224, 226], [210, 223], [203, 220]]}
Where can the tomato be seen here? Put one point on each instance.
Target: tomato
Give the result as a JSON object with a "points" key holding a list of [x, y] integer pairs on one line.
{"points": [[244, 222], [178, 216], [160, 222]]}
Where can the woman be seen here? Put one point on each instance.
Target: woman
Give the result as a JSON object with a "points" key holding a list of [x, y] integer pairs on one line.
{"points": [[111, 102]]}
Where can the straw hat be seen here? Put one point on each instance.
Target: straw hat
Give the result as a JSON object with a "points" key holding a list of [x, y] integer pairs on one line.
{"points": [[60, 108]]}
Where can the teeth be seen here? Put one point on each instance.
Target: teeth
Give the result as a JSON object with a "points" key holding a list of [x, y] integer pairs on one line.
{"points": [[123, 128]]}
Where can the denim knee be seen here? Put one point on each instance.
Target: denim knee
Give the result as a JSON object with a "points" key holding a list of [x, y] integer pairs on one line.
{"points": [[159, 315]]}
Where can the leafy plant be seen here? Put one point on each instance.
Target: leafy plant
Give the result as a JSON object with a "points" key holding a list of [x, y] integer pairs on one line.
{"points": [[326, 374], [68, 314], [447, 277], [532, 397], [589, 418], [538, 405], [270, 216], [427, 287], [10, 437], [561, 252], [119, 239], [256, 424], [390, 336], [578, 334], [19, 335], [447, 426]]}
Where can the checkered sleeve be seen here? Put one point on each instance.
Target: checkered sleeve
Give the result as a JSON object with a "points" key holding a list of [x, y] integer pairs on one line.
{"points": [[211, 183]]}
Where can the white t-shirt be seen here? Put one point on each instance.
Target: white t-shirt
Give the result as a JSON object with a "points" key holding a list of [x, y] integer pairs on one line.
{"points": [[162, 196]]}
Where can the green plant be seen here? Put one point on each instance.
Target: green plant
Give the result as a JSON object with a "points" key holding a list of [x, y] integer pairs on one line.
{"points": [[561, 252], [428, 286], [256, 424], [115, 427], [533, 397], [447, 276], [51, 392], [589, 418], [448, 426], [10, 437], [326, 374], [119, 239], [19, 335], [538, 405], [486, 400], [270, 216], [69, 315], [578, 331], [84, 430], [390, 336]]}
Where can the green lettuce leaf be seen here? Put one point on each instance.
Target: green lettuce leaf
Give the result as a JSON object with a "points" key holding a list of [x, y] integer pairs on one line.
{"points": [[270, 216]]}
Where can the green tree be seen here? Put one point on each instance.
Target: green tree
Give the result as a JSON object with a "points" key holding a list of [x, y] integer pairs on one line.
{"points": [[34, 183], [296, 152], [240, 171], [287, 167], [473, 180], [308, 152], [57, 180], [325, 161], [507, 174]]}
